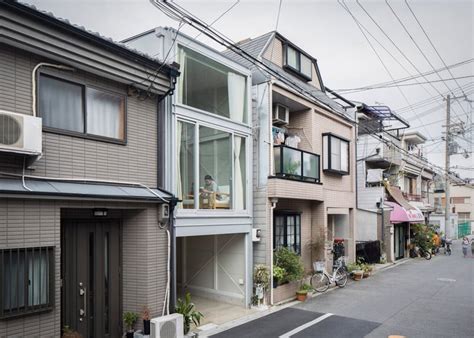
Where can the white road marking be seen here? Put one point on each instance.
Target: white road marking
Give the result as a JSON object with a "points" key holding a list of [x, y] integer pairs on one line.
{"points": [[446, 279], [305, 326]]}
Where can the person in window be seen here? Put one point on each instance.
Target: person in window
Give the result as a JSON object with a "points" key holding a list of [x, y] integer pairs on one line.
{"points": [[210, 186]]}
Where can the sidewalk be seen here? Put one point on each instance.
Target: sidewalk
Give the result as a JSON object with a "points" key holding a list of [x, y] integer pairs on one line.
{"points": [[265, 312]]}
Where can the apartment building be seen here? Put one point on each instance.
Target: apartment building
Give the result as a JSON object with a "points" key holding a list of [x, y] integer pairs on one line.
{"points": [[209, 134], [81, 237], [304, 182], [394, 183]]}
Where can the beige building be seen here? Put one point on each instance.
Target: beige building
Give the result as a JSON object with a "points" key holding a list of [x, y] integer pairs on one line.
{"points": [[304, 183]]}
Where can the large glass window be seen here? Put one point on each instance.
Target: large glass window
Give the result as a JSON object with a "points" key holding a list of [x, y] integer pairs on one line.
{"points": [[287, 231], [336, 154], [215, 169], [76, 108], [220, 169], [185, 165], [27, 280], [210, 86], [298, 62]]}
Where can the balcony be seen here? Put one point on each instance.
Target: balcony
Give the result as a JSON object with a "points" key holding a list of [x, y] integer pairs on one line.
{"points": [[296, 164], [412, 197]]}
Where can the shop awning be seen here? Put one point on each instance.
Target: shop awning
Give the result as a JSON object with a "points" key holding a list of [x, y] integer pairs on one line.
{"points": [[400, 215], [13, 187]]}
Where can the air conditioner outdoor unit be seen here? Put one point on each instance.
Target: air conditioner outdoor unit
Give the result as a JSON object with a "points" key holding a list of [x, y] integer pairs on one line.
{"points": [[170, 326], [281, 114], [20, 133]]}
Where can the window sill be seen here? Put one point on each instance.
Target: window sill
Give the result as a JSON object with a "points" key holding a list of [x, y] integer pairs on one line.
{"points": [[84, 136], [289, 178], [297, 73], [7, 315], [335, 172]]}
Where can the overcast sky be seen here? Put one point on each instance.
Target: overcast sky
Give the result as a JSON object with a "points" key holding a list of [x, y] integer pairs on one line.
{"points": [[327, 31]]}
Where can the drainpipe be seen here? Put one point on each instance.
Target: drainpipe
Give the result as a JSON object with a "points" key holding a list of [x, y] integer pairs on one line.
{"points": [[274, 202]]}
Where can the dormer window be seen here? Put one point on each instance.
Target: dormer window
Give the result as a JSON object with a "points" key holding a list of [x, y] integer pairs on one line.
{"points": [[298, 63]]}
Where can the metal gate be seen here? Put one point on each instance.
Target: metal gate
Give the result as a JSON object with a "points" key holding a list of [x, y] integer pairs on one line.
{"points": [[464, 228]]}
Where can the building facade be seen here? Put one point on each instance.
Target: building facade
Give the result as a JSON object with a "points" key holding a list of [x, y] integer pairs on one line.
{"points": [[81, 237], [304, 182], [210, 136]]}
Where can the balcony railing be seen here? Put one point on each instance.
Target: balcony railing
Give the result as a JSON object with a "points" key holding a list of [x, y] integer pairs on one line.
{"points": [[296, 164], [412, 197]]}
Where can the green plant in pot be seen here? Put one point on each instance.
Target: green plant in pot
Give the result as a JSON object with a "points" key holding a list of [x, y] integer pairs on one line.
{"points": [[261, 279], [129, 319], [278, 275], [190, 314], [302, 292], [290, 262]]}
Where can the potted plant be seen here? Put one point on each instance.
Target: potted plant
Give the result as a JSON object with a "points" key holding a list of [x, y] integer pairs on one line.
{"points": [[303, 292], [190, 315], [129, 318], [290, 262], [146, 320], [355, 270], [261, 279], [278, 275]]}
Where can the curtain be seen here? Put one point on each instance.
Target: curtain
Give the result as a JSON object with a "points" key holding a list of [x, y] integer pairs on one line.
{"points": [[182, 68], [38, 275], [179, 187], [60, 104], [239, 182], [105, 114], [236, 87]]}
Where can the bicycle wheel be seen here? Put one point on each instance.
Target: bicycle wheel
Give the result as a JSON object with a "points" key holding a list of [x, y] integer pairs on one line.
{"points": [[320, 282], [341, 277]]}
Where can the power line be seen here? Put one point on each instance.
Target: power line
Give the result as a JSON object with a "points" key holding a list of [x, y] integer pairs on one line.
{"points": [[276, 26], [419, 49]]}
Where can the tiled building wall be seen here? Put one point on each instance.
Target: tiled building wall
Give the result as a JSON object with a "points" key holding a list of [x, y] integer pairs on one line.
{"points": [[74, 157], [33, 223]]}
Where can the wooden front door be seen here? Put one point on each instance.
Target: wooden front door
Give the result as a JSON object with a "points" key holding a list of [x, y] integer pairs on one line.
{"points": [[91, 277]]}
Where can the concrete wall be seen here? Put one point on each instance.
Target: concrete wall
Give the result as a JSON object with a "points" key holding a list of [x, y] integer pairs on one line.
{"points": [[31, 222]]}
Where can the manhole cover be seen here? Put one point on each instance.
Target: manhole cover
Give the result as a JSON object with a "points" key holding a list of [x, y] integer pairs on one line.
{"points": [[449, 280]]}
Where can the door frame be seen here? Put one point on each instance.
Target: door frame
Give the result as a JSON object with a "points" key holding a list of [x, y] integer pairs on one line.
{"points": [[64, 222]]}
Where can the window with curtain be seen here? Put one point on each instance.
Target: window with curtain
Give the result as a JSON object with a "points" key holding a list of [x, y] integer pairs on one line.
{"points": [[298, 62], [27, 280], [287, 231], [221, 168], [335, 154], [210, 86], [76, 108], [185, 164]]}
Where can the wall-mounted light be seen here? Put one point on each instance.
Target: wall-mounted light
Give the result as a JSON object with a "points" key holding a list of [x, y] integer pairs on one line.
{"points": [[100, 212]]}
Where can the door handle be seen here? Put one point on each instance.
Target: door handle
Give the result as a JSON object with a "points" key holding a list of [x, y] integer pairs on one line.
{"points": [[83, 294]]}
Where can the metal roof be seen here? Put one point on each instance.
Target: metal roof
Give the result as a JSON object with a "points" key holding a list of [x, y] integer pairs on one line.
{"points": [[81, 189]]}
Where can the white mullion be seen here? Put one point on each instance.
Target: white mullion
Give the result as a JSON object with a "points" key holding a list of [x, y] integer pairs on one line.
{"points": [[232, 186], [196, 166]]}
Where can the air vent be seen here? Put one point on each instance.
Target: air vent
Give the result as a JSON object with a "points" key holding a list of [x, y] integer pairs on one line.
{"points": [[20, 133], [10, 130]]}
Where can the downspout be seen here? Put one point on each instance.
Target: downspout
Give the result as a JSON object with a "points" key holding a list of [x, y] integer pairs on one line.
{"points": [[274, 201]]}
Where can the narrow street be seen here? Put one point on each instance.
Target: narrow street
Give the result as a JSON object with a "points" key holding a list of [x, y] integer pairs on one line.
{"points": [[418, 298]]}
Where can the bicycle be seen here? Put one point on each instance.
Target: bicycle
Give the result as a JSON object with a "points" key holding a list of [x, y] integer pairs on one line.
{"points": [[321, 279]]}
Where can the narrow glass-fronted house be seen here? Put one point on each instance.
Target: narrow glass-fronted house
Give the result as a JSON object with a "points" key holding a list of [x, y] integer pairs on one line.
{"points": [[209, 138]]}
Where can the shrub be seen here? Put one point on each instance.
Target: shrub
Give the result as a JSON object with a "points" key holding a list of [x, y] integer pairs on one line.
{"points": [[261, 275], [291, 263], [278, 273]]}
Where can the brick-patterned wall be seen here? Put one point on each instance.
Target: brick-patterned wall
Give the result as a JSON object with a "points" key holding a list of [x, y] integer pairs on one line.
{"points": [[67, 156], [30, 223]]}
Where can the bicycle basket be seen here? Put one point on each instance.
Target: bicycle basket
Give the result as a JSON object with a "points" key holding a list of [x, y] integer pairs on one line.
{"points": [[319, 266]]}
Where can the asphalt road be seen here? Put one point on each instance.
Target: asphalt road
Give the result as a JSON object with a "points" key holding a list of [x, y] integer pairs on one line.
{"points": [[418, 298]]}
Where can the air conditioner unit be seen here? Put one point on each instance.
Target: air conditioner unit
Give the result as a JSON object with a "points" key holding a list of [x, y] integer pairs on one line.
{"points": [[170, 326], [281, 114], [20, 133]]}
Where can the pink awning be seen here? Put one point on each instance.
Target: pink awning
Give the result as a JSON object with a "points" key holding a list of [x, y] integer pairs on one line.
{"points": [[400, 215]]}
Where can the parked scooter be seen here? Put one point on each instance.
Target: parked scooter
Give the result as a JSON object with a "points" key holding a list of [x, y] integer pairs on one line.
{"points": [[446, 244]]}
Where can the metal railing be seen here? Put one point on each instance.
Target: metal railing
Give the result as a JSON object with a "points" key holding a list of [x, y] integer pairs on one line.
{"points": [[296, 164], [412, 197], [26, 281]]}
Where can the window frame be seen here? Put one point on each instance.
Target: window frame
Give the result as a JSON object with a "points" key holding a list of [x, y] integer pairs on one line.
{"points": [[29, 309], [84, 87], [297, 71], [285, 214], [329, 167], [196, 174]]}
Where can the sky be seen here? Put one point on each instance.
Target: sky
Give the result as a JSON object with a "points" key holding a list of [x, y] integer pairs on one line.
{"points": [[328, 32]]}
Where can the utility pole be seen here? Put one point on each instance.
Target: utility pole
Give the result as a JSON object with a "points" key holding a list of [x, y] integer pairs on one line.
{"points": [[447, 163]]}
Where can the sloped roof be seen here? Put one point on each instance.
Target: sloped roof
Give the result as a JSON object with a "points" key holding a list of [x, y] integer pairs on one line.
{"points": [[80, 31], [256, 46]]}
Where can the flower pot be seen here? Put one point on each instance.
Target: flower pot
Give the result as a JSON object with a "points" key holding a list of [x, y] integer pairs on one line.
{"points": [[301, 296], [146, 327], [366, 274], [130, 334], [275, 283], [357, 274]]}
